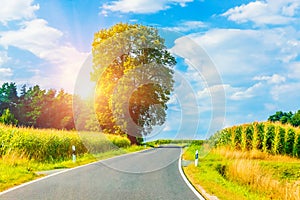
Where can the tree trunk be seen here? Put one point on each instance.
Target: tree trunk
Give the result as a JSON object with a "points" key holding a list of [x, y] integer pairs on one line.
{"points": [[133, 139]]}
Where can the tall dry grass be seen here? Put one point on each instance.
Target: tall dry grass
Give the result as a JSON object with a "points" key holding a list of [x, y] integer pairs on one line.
{"points": [[244, 167]]}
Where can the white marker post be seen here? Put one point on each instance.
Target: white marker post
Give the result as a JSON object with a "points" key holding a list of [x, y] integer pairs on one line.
{"points": [[196, 158], [73, 153]]}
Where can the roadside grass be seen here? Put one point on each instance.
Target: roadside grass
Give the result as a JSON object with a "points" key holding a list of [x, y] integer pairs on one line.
{"points": [[25, 151], [177, 142], [15, 170], [230, 174]]}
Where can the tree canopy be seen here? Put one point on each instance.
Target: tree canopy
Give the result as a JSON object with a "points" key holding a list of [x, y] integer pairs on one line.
{"points": [[134, 75], [286, 117], [39, 108]]}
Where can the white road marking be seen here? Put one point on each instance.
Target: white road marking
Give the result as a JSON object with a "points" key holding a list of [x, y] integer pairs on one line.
{"points": [[187, 181]]}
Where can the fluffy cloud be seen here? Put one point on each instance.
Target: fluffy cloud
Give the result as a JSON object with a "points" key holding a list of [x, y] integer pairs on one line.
{"points": [[46, 43], [268, 12], [237, 52], [286, 94], [3, 57], [5, 72], [141, 6], [248, 93], [35, 36], [187, 26], [244, 59], [275, 79], [5, 75], [17, 10]]}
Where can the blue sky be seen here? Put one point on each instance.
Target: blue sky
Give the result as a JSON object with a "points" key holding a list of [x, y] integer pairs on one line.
{"points": [[237, 61]]}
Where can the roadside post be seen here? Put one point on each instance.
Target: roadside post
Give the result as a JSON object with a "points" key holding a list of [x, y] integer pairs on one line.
{"points": [[73, 153], [196, 158]]}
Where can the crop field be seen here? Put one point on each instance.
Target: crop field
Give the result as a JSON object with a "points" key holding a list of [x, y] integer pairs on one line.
{"points": [[273, 138], [49, 145], [250, 161]]}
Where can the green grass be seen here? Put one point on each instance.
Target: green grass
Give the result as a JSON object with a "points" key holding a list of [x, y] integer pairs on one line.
{"points": [[216, 168], [15, 170], [178, 142], [285, 171]]}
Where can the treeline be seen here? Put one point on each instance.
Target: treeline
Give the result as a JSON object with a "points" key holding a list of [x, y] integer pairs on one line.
{"points": [[39, 108], [35, 107], [286, 118], [273, 138]]}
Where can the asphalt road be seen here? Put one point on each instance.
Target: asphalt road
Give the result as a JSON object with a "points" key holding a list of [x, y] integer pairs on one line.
{"points": [[151, 174]]}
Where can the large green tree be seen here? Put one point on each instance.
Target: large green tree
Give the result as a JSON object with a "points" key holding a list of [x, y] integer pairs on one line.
{"points": [[134, 75]]}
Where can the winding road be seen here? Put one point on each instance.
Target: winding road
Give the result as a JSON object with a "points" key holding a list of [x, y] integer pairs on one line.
{"points": [[150, 174]]}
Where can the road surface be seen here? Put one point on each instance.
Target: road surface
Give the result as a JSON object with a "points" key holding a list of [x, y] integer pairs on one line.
{"points": [[150, 174]]}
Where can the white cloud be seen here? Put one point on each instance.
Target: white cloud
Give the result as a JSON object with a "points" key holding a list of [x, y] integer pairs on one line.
{"points": [[17, 10], [187, 26], [248, 93], [141, 6], [3, 57], [269, 12], [259, 69], [35, 36], [47, 43], [5, 72], [241, 53], [286, 94], [274, 79]]}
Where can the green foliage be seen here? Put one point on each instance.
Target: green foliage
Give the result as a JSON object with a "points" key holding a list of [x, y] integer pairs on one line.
{"points": [[8, 97], [134, 76], [8, 118], [296, 146], [267, 137], [238, 136], [36, 107], [295, 120], [286, 118], [289, 140]]}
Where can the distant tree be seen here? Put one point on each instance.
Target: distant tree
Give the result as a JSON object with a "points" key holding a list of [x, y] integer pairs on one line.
{"points": [[286, 117], [46, 118], [64, 111], [8, 118], [33, 105], [295, 121], [276, 117], [8, 97], [134, 76]]}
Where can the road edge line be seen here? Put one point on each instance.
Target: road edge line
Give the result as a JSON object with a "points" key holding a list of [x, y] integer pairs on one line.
{"points": [[187, 181], [63, 171]]}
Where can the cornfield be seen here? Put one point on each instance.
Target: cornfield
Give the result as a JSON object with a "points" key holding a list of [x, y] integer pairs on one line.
{"points": [[268, 137], [48, 145]]}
